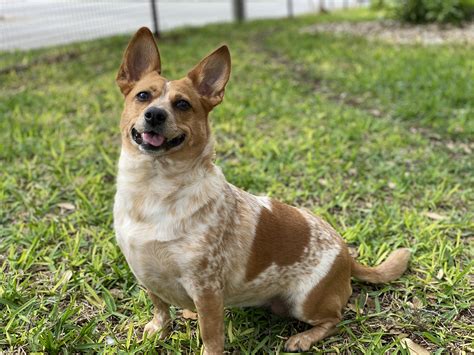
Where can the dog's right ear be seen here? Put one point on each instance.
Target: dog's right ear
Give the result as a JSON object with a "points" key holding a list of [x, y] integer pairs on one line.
{"points": [[141, 57]]}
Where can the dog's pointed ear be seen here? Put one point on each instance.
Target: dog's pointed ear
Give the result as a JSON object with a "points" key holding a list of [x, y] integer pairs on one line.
{"points": [[141, 57], [210, 76]]}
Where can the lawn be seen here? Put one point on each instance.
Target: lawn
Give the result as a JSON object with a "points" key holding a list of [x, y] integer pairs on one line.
{"points": [[376, 138]]}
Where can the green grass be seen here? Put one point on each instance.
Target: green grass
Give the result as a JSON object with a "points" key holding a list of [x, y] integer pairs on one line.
{"points": [[371, 136]]}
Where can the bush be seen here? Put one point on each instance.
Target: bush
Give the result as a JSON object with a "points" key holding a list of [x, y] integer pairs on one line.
{"points": [[423, 11]]}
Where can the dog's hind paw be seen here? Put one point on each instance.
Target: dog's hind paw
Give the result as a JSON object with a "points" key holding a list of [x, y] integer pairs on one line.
{"points": [[299, 342]]}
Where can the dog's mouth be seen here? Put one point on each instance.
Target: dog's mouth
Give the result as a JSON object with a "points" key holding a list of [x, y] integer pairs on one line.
{"points": [[153, 141]]}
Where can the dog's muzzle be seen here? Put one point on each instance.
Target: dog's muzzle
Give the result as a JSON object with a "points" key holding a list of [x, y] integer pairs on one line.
{"points": [[153, 141]]}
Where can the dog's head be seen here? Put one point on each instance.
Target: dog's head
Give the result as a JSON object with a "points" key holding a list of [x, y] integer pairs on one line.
{"points": [[168, 118]]}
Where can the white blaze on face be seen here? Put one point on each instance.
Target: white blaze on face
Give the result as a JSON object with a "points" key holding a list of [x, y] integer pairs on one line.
{"points": [[163, 102]]}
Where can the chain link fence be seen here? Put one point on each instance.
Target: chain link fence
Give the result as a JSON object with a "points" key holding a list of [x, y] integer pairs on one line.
{"points": [[29, 24]]}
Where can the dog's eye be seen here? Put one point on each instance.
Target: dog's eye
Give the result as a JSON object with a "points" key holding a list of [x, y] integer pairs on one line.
{"points": [[182, 105], [143, 96]]}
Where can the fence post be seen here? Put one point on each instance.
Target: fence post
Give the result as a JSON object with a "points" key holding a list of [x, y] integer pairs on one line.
{"points": [[239, 10], [154, 15], [289, 5], [322, 7]]}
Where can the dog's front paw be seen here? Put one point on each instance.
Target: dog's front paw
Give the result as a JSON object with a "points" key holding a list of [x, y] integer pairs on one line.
{"points": [[212, 352], [298, 343], [154, 327]]}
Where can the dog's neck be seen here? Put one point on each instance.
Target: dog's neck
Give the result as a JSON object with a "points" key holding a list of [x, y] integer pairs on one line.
{"points": [[164, 177]]}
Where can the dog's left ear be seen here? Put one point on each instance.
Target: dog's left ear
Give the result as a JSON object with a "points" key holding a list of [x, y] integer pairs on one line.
{"points": [[141, 57], [210, 76]]}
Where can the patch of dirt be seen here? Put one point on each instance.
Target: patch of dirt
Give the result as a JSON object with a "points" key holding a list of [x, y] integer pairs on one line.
{"points": [[396, 32], [302, 74], [63, 57]]}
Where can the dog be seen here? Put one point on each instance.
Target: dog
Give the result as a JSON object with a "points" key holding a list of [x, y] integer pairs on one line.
{"points": [[195, 241]]}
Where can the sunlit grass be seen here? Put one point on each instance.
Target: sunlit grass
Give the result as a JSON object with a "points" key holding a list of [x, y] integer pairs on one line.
{"points": [[375, 138]]}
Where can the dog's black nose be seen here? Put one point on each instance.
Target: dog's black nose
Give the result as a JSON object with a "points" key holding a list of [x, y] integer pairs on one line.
{"points": [[155, 116]]}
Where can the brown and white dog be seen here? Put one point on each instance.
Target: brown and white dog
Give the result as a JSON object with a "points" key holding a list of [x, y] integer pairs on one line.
{"points": [[197, 242]]}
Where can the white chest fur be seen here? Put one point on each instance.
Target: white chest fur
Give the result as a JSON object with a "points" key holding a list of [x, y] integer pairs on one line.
{"points": [[156, 225]]}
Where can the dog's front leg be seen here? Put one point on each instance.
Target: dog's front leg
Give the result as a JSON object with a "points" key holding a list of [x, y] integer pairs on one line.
{"points": [[161, 317], [210, 309]]}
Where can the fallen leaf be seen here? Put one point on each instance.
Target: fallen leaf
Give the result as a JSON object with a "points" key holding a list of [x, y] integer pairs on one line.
{"points": [[434, 215], [466, 148], [117, 293], [187, 314], [400, 335], [352, 307], [375, 112], [370, 303], [323, 182], [417, 303], [66, 206], [413, 348], [352, 171]]}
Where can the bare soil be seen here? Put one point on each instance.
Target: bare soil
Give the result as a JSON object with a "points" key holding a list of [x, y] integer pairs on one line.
{"points": [[396, 32]]}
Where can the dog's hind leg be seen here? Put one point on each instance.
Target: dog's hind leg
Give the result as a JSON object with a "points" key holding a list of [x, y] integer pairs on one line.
{"points": [[322, 306]]}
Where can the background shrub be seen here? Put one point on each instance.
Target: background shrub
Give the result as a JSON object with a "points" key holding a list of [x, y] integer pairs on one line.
{"points": [[424, 11]]}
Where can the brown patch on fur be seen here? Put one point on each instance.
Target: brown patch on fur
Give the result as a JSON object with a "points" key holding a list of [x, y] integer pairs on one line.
{"points": [[281, 237], [327, 299]]}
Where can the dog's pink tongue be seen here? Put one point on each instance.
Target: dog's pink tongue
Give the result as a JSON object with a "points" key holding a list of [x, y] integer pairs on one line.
{"points": [[153, 139]]}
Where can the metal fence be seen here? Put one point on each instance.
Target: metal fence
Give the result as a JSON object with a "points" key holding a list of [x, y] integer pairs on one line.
{"points": [[28, 24]]}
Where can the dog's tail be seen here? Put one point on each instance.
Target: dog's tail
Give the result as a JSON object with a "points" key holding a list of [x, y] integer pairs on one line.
{"points": [[391, 269]]}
